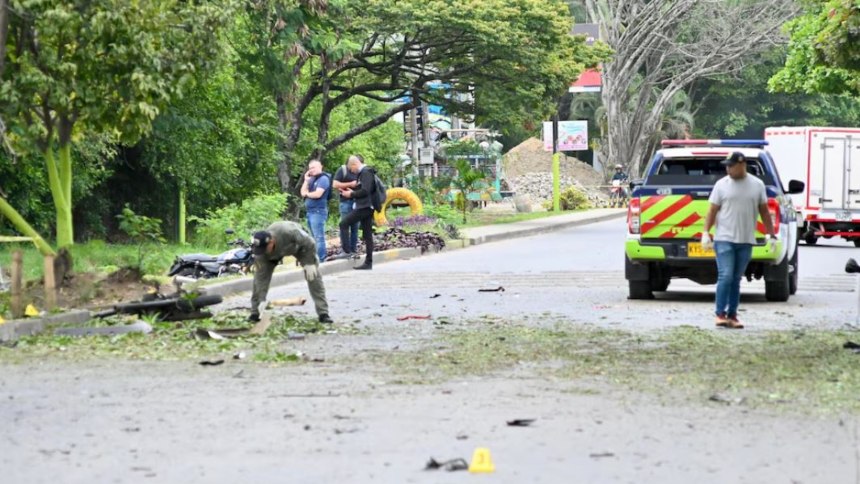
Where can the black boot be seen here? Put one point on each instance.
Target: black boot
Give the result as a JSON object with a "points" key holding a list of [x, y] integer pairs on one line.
{"points": [[368, 265]]}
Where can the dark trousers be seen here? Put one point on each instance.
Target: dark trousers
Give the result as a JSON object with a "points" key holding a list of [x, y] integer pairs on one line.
{"points": [[365, 217]]}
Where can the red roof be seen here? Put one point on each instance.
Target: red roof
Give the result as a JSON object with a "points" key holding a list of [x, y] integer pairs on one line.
{"points": [[588, 78]]}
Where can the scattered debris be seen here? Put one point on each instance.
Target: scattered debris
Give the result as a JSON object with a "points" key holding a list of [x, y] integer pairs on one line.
{"points": [[293, 301], [212, 362], [521, 422], [239, 356], [135, 327], [458, 464], [413, 316], [498, 289], [462, 437], [435, 296], [850, 345], [599, 455], [726, 399], [295, 336]]}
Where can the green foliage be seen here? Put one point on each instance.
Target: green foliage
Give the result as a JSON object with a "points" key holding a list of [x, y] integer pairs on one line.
{"points": [[252, 214], [743, 107], [824, 50], [572, 198], [141, 229], [104, 67], [465, 181]]}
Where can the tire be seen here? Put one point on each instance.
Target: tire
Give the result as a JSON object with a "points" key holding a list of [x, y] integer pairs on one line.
{"points": [[640, 290], [398, 193], [856, 242], [810, 239], [778, 289], [795, 273], [163, 305]]}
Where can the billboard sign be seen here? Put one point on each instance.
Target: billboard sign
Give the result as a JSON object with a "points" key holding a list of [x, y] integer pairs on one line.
{"points": [[572, 135]]}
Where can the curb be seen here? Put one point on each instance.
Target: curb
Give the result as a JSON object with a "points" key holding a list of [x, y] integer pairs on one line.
{"points": [[528, 231], [14, 329]]}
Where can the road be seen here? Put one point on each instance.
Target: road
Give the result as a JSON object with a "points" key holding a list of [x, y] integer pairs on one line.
{"points": [[342, 420], [578, 274]]}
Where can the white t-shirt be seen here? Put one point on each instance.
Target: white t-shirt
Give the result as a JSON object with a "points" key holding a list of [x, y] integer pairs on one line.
{"points": [[739, 201]]}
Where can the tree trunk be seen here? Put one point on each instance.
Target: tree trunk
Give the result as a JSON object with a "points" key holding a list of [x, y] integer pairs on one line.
{"points": [[4, 31], [181, 217], [19, 223], [60, 180], [286, 146]]}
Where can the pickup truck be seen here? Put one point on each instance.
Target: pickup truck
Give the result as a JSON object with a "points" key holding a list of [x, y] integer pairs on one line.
{"points": [[666, 216]]}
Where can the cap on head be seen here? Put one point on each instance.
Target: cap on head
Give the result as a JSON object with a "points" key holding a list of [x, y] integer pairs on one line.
{"points": [[260, 241], [618, 167], [734, 158]]}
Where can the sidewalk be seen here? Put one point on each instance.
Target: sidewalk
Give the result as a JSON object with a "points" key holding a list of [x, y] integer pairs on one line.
{"points": [[289, 273]]}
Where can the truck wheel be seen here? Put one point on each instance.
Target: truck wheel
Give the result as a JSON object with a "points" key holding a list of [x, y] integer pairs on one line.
{"points": [[810, 239], [640, 290], [778, 288], [795, 272], [856, 242]]}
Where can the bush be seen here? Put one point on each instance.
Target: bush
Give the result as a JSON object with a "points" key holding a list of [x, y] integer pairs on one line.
{"points": [[442, 212], [252, 214], [572, 198]]}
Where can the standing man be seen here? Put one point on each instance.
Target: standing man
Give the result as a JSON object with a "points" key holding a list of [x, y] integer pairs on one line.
{"points": [[273, 244], [734, 203], [343, 179], [362, 211], [315, 191]]}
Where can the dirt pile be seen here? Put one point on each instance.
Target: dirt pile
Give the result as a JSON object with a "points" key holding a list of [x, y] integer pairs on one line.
{"points": [[528, 171]]}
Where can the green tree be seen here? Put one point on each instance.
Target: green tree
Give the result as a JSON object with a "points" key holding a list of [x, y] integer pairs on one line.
{"points": [[824, 50], [465, 180], [106, 66]]}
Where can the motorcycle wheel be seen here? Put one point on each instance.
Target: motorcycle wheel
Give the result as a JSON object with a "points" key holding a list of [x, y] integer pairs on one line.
{"points": [[168, 305]]}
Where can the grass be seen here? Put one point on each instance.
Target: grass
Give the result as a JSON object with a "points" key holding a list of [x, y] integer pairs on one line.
{"points": [[169, 341], [805, 371], [101, 257]]}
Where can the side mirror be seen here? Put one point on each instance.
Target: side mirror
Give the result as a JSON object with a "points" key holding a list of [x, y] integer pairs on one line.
{"points": [[229, 231], [795, 186], [852, 267], [636, 183]]}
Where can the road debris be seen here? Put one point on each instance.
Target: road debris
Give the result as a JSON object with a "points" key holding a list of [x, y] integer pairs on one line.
{"points": [[458, 464], [435, 296], [520, 422], [413, 316], [600, 455], [292, 301], [211, 362], [850, 345], [497, 289]]}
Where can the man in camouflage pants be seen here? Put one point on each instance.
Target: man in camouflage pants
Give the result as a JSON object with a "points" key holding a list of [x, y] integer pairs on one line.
{"points": [[279, 240]]}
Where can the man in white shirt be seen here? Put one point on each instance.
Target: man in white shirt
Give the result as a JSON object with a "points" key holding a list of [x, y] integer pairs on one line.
{"points": [[735, 201]]}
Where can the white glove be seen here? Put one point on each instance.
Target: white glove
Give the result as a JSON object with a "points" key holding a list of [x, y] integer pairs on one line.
{"points": [[311, 272], [770, 241], [707, 241]]}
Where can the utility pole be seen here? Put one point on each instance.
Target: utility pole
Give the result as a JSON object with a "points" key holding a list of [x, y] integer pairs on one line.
{"points": [[556, 168]]}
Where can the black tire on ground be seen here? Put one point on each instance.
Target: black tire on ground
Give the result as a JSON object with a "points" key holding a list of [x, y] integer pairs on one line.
{"points": [[810, 239], [856, 242], [778, 289], [168, 304], [795, 272], [640, 290]]}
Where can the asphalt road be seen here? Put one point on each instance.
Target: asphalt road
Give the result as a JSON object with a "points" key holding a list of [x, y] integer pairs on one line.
{"points": [[576, 274], [139, 421]]}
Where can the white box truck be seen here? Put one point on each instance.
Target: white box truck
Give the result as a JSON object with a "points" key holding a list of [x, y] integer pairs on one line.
{"points": [[827, 160]]}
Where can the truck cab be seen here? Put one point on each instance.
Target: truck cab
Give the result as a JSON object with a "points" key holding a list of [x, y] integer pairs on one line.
{"points": [[667, 212]]}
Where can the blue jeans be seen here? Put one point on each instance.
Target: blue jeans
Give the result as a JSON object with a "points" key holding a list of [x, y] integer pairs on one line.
{"points": [[732, 260], [345, 208], [316, 222]]}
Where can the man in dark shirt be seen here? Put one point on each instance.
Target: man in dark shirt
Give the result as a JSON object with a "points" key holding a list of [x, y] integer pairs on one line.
{"points": [[344, 179], [362, 210]]}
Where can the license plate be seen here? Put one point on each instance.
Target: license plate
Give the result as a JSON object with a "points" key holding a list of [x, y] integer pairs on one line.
{"points": [[694, 249], [843, 216]]}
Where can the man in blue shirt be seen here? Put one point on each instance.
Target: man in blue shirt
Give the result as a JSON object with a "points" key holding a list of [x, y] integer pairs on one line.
{"points": [[315, 190]]}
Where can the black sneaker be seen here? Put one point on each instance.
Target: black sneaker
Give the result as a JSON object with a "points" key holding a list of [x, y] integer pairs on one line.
{"points": [[364, 267], [325, 318], [254, 318]]}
